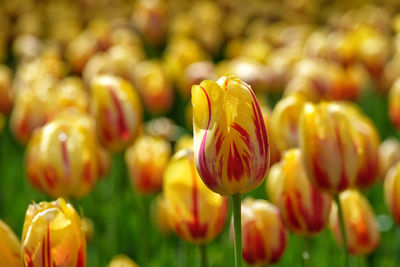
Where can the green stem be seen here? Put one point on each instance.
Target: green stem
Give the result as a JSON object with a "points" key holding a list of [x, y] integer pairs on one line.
{"points": [[203, 252], [307, 252], [237, 226], [342, 230]]}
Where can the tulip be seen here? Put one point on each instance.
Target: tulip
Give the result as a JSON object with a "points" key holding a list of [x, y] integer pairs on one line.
{"points": [[87, 227], [326, 141], [159, 214], [146, 160], [359, 219], [62, 156], [305, 210], [196, 213], [274, 182], [234, 158], [391, 190], [122, 261], [118, 111], [275, 154], [284, 121], [154, 86], [185, 141], [263, 232], [394, 104], [389, 155], [5, 89], [10, 247], [52, 236]]}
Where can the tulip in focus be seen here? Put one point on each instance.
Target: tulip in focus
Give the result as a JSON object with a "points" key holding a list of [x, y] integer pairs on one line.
{"points": [[196, 214], [326, 141], [118, 111], [146, 161], [392, 191], [230, 139], [10, 247], [62, 156], [389, 155], [360, 223], [122, 261], [52, 236], [263, 232], [305, 210]]}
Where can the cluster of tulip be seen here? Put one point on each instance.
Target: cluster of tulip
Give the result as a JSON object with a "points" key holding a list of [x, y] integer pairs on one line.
{"points": [[91, 79]]}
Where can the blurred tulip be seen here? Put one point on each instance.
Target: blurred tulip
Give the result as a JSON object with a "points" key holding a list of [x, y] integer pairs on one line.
{"points": [[284, 121], [185, 141], [326, 140], [10, 252], [146, 160], [274, 183], [394, 104], [263, 232], [87, 228], [154, 87], [52, 236], [196, 214], [235, 156], [61, 158], [305, 210], [391, 190], [122, 261], [5, 89], [118, 111], [159, 214], [196, 72], [80, 50], [274, 153], [360, 223], [389, 155]]}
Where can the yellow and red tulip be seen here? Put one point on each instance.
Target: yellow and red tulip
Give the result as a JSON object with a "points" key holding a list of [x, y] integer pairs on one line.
{"points": [[305, 209], [10, 247], [62, 156], [52, 236], [5, 89], [274, 153], [327, 146], [389, 155], [122, 261], [274, 182], [394, 104], [118, 111], [230, 139], [146, 160], [392, 191], [196, 213], [263, 232], [360, 223]]}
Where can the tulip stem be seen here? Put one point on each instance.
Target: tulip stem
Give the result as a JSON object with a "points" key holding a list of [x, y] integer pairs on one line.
{"points": [[203, 252], [237, 225], [307, 252], [342, 230]]}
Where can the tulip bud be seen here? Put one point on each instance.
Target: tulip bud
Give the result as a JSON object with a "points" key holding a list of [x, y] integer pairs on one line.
{"points": [[326, 142], [360, 223], [122, 261], [118, 111], [230, 139], [304, 209], [196, 214], [154, 86], [62, 156], [263, 232], [52, 236], [275, 154], [5, 89], [394, 104], [284, 121], [87, 228], [389, 155], [159, 214], [185, 141], [274, 182], [10, 252], [146, 160], [391, 190]]}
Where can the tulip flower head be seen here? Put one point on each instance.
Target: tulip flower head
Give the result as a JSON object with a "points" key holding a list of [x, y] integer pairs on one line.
{"points": [[10, 247], [52, 236], [118, 111], [196, 213], [392, 191], [389, 155], [230, 139], [274, 182], [326, 142], [263, 232], [122, 261], [360, 223], [394, 104]]}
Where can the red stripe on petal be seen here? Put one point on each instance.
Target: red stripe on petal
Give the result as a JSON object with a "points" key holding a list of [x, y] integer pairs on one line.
{"points": [[235, 165]]}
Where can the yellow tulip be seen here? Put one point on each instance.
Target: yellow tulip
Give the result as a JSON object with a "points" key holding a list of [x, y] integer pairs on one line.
{"points": [[263, 232], [230, 139], [118, 111], [394, 104], [52, 236], [159, 214], [274, 152], [392, 191], [122, 261], [359, 219], [389, 155], [196, 213], [5, 89], [274, 182], [10, 247], [327, 144], [185, 141], [146, 160], [62, 156]]}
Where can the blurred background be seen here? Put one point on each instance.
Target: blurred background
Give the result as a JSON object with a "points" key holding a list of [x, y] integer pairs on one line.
{"points": [[50, 52]]}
